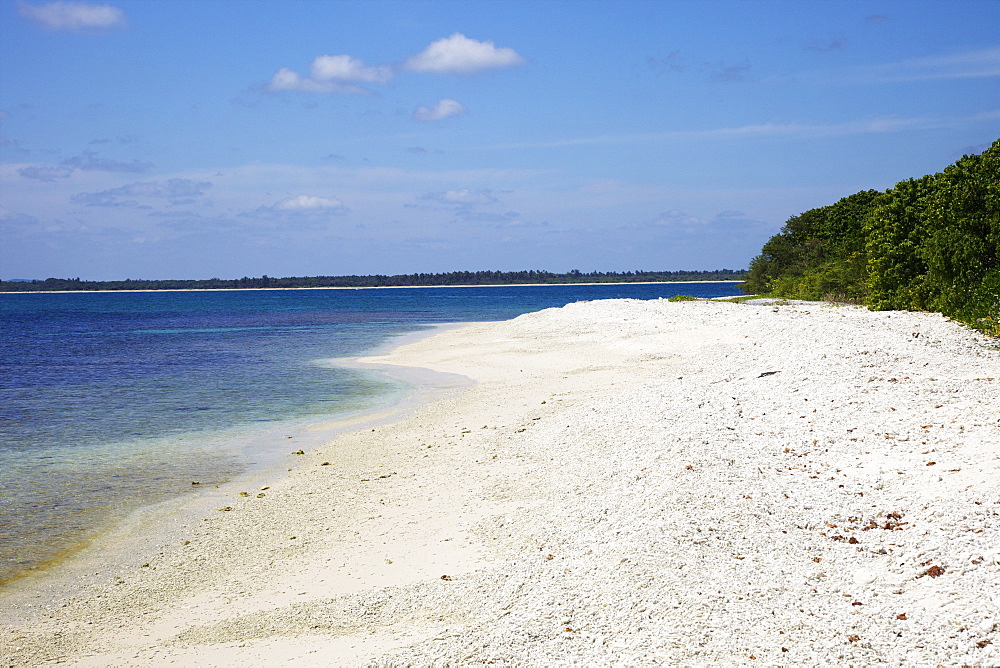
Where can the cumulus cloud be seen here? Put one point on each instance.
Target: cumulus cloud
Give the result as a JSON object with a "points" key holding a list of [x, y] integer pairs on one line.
{"points": [[462, 197], [331, 74], [459, 54], [444, 108], [175, 191], [310, 203], [346, 68], [73, 16], [345, 74], [307, 211], [286, 79]]}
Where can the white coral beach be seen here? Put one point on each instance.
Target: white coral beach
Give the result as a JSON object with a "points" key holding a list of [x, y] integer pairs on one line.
{"points": [[627, 482]]}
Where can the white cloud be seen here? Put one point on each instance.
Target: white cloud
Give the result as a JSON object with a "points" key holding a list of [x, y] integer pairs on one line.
{"points": [[309, 203], [73, 16], [766, 130], [463, 197], [286, 79], [302, 211], [342, 73], [968, 65], [331, 74], [443, 109], [460, 55], [346, 68]]}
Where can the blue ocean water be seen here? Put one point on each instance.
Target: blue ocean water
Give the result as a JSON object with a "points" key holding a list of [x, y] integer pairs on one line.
{"points": [[109, 401]]}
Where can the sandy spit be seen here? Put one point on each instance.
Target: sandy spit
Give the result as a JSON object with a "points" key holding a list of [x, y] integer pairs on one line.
{"points": [[627, 483]]}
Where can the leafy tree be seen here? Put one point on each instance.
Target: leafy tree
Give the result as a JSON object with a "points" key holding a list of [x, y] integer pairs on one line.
{"points": [[817, 253], [931, 243], [894, 233]]}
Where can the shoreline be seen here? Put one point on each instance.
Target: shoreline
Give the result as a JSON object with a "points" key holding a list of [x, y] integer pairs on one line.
{"points": [[264, 454], [371, 287], [686, 483]]}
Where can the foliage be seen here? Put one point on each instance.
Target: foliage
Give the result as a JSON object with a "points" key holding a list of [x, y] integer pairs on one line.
{"points": [[894, 232], [931, 243], [738, 300], [816, 253]]}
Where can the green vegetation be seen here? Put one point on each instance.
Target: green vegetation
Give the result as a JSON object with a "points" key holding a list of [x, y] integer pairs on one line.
{"points": [[928, 244], [378, 281], [682, 298], [738, 300]]}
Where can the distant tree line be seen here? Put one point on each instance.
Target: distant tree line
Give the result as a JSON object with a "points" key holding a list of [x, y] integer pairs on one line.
{"points": [[377, 281], [928, 244]]}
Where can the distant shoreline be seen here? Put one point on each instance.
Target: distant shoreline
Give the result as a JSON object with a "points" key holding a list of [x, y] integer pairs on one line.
{"points": [[365, 287]]}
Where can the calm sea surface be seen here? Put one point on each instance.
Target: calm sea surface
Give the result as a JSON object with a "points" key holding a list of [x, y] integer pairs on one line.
{"points": [[109, 401]]}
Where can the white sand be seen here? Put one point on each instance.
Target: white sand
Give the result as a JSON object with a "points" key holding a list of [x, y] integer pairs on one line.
{"points": [[627, 483]]}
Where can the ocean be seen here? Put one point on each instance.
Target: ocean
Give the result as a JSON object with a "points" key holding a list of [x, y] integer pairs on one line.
{"points": [[113, 401]]}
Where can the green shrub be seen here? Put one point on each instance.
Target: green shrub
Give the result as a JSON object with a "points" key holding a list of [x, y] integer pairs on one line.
{"points": [[931, 243]]}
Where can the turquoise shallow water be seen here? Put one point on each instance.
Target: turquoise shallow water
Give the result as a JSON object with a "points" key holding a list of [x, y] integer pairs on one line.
{"points": [[113, 400]]}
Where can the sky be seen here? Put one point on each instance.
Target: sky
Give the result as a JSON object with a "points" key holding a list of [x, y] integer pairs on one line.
{"points": [[215, 138]]}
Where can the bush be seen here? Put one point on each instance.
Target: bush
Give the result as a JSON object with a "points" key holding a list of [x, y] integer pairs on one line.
{"points": [[931, 243]]}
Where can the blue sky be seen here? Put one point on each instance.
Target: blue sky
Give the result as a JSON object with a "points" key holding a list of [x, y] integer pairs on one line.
{"points": [[155, 139]]}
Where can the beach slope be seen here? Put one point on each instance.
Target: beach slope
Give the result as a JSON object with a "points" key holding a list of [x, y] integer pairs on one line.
{"points": [[627, 482]]}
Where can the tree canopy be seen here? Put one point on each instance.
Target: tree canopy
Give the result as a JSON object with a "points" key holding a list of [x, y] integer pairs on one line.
{"points": [[377, 280], [930, 244]]}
